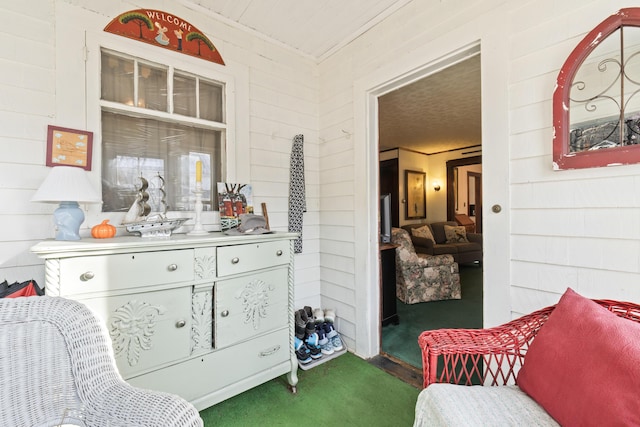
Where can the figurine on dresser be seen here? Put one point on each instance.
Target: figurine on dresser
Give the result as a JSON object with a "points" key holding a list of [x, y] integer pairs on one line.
{"points": [[139, 218]]}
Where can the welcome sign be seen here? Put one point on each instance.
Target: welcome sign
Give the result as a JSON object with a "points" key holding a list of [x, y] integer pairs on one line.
{"points": [[164, 30]]}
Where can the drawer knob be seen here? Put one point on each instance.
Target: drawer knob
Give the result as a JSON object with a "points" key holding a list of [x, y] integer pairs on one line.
{"points": [[87, 276], [224, 313], [279, 252], [235, 260], [180, 323], [172, 267]]}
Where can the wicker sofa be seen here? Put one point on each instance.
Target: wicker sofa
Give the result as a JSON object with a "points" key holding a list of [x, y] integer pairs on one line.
{"points": [[462, 252], [582, 369], [57, 367]]}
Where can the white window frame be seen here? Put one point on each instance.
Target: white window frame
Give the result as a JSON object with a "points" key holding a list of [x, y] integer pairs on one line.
{"points": [[80, 38], [170, 116]]}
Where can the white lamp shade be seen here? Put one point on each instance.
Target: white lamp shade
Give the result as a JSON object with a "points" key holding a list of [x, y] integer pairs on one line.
{"points": [[66, 183]]}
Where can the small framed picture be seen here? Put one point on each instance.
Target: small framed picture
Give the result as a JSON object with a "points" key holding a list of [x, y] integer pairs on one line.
{"points": [[69, 147]]}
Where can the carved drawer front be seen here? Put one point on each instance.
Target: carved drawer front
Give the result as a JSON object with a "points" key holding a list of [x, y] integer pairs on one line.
{"points": [[245, 258], [250, 305], [147, 329], [123, 271], [205, 264]]}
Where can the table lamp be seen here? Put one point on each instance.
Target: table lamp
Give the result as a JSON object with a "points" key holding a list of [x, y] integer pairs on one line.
{"points": [[67, 185]]}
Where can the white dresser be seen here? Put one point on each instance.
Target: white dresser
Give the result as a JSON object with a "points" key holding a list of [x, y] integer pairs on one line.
{"points": [[202, 317]]}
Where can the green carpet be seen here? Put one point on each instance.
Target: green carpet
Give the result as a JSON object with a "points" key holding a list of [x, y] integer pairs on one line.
{"points": [[401, 341], [344, 391]]}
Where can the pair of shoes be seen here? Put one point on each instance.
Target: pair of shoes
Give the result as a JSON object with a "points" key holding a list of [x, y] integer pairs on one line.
{"points": [[302, 352], [321, 316], [333, 336], [325, 344], [312, 344]]}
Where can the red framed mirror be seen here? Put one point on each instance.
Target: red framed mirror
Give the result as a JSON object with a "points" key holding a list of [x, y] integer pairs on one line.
{"points": [[596, 104]]}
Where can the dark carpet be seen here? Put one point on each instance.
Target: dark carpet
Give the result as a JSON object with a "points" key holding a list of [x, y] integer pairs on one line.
{"points": [[401, 341]]}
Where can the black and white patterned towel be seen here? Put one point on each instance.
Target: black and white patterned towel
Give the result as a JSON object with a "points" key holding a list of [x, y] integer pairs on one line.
{"points": [[297, 201]]}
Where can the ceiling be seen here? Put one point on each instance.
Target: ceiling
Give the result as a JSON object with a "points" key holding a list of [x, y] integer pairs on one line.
{"points": [[313, 28], [438, 113]]}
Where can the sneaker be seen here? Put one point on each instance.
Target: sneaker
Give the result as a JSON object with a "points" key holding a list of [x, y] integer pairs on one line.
{"points": [[302, 352], [318, 315], [329, 315], [310, 329], [312, 344], [309, 312], [323, 342], [301, 324], [333, 336]]}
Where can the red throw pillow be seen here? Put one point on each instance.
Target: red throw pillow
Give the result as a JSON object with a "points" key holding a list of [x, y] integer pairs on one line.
{"points": [[583, 367]]}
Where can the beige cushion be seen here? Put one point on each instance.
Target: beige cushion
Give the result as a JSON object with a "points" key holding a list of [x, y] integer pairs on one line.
{"points": [[424, 232], [457, 234]]}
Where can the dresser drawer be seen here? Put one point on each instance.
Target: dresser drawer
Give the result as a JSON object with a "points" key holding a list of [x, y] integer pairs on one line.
{"points": [[147, 329], [123, 271], [254, 356], [250, 305], [198, 377], [243, 258]]}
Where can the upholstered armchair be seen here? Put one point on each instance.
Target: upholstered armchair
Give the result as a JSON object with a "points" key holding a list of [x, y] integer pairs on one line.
{"points": [[56, 362], [421, 277]]}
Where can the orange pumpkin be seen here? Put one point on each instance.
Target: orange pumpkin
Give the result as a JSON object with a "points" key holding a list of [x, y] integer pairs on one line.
{"points": [[103, 230]]}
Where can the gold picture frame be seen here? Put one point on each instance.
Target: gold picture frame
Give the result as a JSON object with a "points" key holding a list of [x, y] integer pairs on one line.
{"points": [[415, 194]]}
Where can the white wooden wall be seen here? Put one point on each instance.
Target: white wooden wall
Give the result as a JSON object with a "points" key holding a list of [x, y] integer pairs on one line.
{"points": [[556, 229], [568, 228], [277, 98]]}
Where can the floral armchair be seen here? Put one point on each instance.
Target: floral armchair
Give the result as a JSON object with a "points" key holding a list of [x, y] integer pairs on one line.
{"points": [[421, 277]]}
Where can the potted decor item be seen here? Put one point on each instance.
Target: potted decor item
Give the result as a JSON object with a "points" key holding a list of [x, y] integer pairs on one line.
{"points": [[104, 230]]}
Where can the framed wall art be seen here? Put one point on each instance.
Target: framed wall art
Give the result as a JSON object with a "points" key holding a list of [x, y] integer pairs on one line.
{"points": [[69, 147], [415, 195]]}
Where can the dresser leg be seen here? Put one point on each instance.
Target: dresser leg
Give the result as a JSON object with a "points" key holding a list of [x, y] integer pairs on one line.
{"points": [[292, 376]]}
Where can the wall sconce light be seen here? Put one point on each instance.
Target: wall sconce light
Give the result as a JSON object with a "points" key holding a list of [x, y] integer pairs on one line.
{"points": [[436, 185], [67, 185]]}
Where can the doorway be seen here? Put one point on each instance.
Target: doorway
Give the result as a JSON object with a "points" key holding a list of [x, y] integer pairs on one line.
{"points": [[474, 195], [464, 189], [393, 344], [389, 184]]}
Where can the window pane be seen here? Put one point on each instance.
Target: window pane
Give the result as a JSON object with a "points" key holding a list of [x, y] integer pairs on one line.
{"points": [[210, 101], [184, 95], [152, 88], [134, 147], [117, 79]]}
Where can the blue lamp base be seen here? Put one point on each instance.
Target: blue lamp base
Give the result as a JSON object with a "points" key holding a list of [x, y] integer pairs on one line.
{"points": [[67, 219]]}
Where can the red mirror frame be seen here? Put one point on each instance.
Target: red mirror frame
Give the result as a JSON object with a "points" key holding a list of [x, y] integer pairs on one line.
{"points": [[562, 158]]}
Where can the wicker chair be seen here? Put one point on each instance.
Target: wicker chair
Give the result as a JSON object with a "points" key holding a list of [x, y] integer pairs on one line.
{"points": [[422, 277], [55, 358], [491, 356]]}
